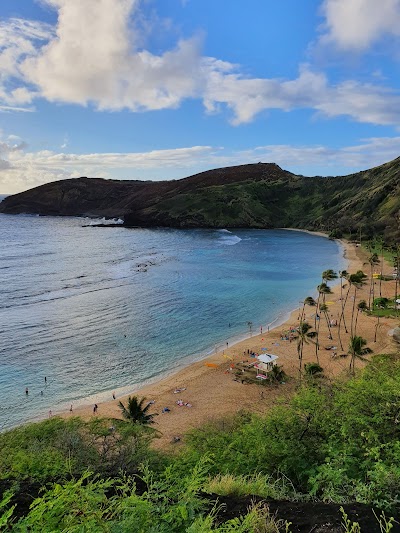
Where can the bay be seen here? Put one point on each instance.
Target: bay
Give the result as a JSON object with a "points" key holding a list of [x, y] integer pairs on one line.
{"points": [[96, 310]]}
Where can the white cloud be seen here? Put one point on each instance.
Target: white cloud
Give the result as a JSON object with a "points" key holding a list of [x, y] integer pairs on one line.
{"points": [[357, 24], [21, 170], [19, 40], [93, 57], [310, 90]]}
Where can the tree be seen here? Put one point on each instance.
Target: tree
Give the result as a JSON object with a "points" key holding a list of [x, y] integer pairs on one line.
{"points": [[304, 338], [343, 274], [137, 411], [396, 265], [329, 275], [308, 301], [382, 244], [372, 260], [361, 306], [324, 290], [324, 308], [357, 349], [356, 280]]}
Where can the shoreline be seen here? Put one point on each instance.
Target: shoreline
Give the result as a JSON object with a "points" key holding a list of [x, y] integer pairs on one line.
{"points": [[207, 381], [128, 390]]}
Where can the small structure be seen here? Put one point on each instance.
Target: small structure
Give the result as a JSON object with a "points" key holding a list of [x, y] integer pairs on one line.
{"points": [[265, 363]]}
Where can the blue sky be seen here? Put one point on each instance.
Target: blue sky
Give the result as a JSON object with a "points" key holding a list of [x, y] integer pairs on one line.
{"points": [[161, 89]]}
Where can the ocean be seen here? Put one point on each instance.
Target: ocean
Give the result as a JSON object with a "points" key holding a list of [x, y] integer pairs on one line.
{"points": [[100, 310]]}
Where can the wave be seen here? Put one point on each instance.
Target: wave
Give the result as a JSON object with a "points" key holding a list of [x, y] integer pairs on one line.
{"points": [[108, 221], [224, 231], [229, 240]]}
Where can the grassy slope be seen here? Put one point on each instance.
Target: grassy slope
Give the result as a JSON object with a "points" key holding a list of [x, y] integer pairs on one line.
{"points": [[369, 199]]}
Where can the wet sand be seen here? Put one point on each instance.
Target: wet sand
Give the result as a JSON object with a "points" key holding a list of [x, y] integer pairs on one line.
{"points": [[210, 386]]}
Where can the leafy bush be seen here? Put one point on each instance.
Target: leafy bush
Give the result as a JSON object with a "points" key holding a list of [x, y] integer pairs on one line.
{"points": [[313, 368], [59, 448], [339, 442]]}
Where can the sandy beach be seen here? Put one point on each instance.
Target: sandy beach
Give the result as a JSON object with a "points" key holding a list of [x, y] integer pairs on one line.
{"points": [[209, 385]]}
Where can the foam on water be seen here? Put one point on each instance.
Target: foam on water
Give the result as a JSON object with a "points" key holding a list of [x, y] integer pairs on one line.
{"points": [[109, 221], [227, 238]]}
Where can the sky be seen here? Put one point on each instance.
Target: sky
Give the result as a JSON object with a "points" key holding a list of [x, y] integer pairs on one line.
{"points": [[162, 89]]}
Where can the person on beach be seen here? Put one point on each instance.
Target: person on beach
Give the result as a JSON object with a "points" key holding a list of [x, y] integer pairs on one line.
{"points": [[70, 409], [113, 395], [50, 413], [95, 408]]}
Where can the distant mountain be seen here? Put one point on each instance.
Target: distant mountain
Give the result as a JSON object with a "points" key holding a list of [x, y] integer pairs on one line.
{"points": [[253, 196]]}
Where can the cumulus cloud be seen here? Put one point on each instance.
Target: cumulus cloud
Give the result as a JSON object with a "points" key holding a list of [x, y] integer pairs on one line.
{"points": [[357, 24], [94, 57]]}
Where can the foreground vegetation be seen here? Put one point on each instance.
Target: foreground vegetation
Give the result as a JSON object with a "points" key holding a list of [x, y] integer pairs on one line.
{"points": [[334, 442]]}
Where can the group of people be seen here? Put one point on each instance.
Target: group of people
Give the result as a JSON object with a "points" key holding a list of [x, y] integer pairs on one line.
{"points": [[181, 403]]}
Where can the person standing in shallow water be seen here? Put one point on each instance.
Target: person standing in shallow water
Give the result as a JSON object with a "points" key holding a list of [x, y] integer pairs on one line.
{"points": [[27, 391]]}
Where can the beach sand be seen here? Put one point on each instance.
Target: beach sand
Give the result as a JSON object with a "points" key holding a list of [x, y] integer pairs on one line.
{"points": [[210, 386]]}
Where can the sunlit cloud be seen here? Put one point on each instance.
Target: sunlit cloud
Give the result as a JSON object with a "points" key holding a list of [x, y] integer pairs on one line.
{"points": [[93, 57], [357, 24]]}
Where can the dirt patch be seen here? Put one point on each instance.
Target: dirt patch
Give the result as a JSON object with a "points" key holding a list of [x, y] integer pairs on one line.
{"points": [[307, 517]]}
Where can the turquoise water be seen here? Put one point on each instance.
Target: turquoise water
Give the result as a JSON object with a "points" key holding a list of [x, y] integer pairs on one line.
{"points": [[96, 310]]}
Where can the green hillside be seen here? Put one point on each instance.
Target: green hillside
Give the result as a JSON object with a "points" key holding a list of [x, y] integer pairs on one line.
{"points": [[254, 196]]}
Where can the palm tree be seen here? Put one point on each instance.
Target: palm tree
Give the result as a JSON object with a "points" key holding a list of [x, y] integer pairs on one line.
{"points": [[308, 301], [137, 411], [396, 260], [324, 308], [361, 306], [372, 260], [356, 280], [357, 349], [304, 338], [342, 274], [329, 275], [324, 290], [382, 243]]}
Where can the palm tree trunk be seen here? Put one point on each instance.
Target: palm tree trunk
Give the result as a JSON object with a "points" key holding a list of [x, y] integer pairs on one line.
{"points": [[355, 327], [397, 280], [317, 339], [300, 355], [371, 285], [380, 281], [352, 313], [328, 323], [301, 318], [342, 315], [315, 326]]}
